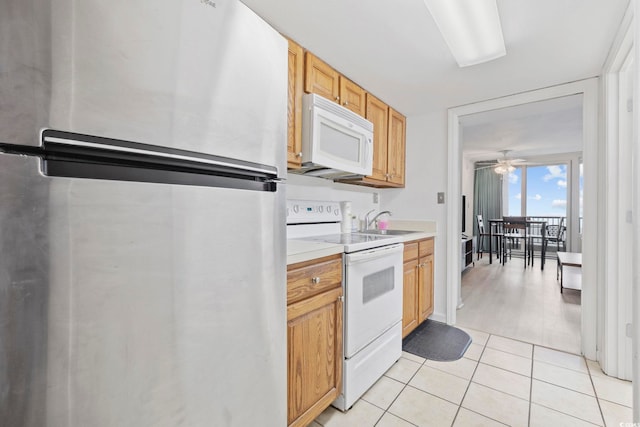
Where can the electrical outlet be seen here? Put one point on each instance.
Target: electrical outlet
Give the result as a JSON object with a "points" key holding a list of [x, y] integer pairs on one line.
{"points": [[376, 197], [441, 197]]}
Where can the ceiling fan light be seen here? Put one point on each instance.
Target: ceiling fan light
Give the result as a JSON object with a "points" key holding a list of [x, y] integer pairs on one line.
{"points": [[501, 169], [471, 29]]}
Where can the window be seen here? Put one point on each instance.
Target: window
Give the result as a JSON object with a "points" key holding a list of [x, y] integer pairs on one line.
{"points": [[547, 190], [514, 192], [537, 191]]}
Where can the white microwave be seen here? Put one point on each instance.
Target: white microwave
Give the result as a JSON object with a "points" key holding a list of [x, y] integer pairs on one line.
{"points": [[336, 142]]}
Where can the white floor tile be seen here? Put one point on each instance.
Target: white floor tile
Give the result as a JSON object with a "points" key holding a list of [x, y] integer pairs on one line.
{"points": [[563, 377], [413, 357], [467, 418], [616, 415], [474, 351], [462, 368], [383, 392], [566, 401], [560, 358], [545, 417], [594, 369], [390, 420], [497, 405], [362, 414], [403, 370], [613, 390], [440, 383], [501, 380], [423, 409], [508, 345], [477, 337], [511, 362]]}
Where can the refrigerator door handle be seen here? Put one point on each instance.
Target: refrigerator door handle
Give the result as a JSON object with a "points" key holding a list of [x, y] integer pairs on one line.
{"points": [[73, 155]]}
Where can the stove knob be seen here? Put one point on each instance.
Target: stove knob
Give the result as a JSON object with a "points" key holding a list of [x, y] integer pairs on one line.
{"points": [[288, 212], [320, 208], [296, 208], [336, 212]]}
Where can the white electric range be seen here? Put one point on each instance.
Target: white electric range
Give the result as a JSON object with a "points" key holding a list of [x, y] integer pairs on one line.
{"points": [[372, 281]]}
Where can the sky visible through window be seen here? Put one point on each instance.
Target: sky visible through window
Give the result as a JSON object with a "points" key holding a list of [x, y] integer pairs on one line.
{"points": [[546, 191]]}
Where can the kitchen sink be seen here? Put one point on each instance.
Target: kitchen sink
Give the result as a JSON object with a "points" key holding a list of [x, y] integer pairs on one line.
{"points": [[387, 232]]}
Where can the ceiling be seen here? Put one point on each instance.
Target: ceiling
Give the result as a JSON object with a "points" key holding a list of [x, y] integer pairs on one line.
{"points": [[394, 50], [540, 128]]}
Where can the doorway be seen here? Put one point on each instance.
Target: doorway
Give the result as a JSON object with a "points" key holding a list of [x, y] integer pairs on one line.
{"points": [[588, 89]]}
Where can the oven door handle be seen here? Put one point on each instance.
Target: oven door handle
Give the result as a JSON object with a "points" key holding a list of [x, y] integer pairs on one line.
{"points": [[371, 254]]}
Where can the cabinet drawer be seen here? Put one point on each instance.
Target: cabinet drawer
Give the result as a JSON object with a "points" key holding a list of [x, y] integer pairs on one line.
{"points": [[410, 251], [310, 278], [426, 247]]}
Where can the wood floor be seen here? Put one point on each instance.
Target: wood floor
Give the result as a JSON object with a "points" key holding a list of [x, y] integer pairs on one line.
{"points": [[523, 304]]}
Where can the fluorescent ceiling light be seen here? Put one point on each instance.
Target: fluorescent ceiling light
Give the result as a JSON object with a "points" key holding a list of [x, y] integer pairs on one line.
{"points": [[471, 28]]}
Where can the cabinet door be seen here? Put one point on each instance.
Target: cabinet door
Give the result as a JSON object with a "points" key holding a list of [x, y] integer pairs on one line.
{"points": [[396, 150], [352, 96], [294, 105], [378, 114], [425, 288], [320, 78], [410, 297], [314, 355]]}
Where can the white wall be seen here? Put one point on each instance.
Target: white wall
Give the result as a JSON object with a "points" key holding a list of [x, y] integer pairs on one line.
{"points": [[426, 175]]}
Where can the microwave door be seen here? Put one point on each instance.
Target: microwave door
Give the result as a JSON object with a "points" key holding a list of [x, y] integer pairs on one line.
{"points": [[341, 145]]}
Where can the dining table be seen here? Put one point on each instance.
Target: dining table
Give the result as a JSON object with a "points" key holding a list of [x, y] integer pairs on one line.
{"points": [[495, 222]]}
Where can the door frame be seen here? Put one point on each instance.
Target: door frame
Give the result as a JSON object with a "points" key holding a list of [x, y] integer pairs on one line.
{"points": [[615, 353], [592, 268]]}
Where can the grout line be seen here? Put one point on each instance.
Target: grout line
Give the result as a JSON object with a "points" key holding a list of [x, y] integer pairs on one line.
{"points": [[470, 380], [595, 393], [533, 348]]}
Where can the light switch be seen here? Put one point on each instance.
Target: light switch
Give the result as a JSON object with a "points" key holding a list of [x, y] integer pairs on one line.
{"points": [[441, 197]]}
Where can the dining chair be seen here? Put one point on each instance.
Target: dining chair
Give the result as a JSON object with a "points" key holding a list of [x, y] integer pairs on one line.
{"points": [[556, 234], [514, 230], [482, 234]]}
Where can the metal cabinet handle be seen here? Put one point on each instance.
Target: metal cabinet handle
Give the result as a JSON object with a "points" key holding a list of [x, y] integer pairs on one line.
{"points": [[345, 103], [337, 98], [299, 154], [315, 280], [341, 298]]}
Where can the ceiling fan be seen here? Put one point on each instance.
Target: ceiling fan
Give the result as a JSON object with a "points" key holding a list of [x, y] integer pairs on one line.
{"points": [[504, 165]]}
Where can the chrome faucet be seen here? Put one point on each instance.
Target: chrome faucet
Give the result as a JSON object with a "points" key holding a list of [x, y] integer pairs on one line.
{"points": [[367, 222]]}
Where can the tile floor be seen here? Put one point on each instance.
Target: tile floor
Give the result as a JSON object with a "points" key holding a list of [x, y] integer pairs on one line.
{"points": [[499, 381]]}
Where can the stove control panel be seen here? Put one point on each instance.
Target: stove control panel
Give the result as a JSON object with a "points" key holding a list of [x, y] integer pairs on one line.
{"points": [[312, 211]]}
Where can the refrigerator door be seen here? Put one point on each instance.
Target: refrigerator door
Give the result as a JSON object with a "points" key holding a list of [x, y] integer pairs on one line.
{"points": [[205, 76], [139, 304]]}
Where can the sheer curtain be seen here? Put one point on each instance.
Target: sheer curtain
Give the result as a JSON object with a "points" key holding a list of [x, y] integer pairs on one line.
{"points": [[487, 199]]}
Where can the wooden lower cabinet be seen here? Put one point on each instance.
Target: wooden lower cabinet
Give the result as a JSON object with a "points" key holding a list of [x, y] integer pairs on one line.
{"points": [[417, 303], [314, 338]]}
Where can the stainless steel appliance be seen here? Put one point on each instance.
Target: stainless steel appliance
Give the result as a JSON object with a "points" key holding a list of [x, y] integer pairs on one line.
{"points": [[373, 293], [142, 229]]}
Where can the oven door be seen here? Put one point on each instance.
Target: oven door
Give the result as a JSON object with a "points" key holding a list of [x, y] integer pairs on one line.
{"points": [[373, 295]]}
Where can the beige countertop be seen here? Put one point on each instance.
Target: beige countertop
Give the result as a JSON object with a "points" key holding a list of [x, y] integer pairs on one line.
{"points": [[300, 250]]}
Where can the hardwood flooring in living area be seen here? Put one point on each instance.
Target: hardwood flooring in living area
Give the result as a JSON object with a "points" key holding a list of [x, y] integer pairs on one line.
{"points": [[522, 303]]}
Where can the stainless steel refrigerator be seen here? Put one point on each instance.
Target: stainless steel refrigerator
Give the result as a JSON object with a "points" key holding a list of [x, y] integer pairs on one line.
{"points": [[142, 230]]}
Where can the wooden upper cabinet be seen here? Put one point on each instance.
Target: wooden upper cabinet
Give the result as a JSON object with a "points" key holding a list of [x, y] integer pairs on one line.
{"points": [[320, 78], [377, 112], [396, 148], [294, 105], [352, 96]]}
